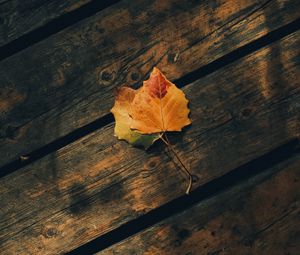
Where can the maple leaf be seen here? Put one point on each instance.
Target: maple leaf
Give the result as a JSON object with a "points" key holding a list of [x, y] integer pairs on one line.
{"points": [[159, 106], [124, 98]]}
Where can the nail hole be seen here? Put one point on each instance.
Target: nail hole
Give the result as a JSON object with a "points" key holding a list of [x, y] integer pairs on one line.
{"points": [[246, 112], [134, 76], [152, 164], [183, 234], [106, 76]]}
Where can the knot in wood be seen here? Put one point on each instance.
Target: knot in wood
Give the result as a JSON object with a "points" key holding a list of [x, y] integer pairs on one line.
{"points": [[134, 76], [106, 76], [246, 112], [50, 232], [152, 163]]}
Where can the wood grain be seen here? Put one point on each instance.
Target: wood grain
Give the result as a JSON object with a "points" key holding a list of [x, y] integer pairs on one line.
{"points": [[98, 183], [68, 80], [260, 216], [21, 17]]}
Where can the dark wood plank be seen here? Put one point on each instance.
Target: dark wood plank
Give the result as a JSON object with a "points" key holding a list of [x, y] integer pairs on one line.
{"points": [[258, 217], [21, 17], [98, 183], [67, 81]]}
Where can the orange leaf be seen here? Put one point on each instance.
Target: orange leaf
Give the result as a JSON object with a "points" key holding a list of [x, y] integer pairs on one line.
{"points": [[159, 106], [124, 98], [145, 115]]}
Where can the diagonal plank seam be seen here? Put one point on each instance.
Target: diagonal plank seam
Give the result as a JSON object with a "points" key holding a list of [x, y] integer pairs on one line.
{"points": [[53, 27], [280, 155], [183, 81], [281, 100], [145, 49], [231, 23], [239, 53], [276, 221], [90, 198]]}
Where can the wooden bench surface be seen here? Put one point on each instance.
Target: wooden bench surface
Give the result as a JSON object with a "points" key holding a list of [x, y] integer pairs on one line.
{"points": [[20, 18], [69, 186], [246, 219], [71, 77]]}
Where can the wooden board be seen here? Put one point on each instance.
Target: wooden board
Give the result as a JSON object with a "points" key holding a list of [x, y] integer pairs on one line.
{"points": [[67, 81], [18, 18], [260, 216], [98, 183]]}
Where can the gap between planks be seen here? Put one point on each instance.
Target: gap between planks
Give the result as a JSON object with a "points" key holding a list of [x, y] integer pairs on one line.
{"points": [[260, 215], [119, 45], [53, 26], [237, 176], [183, 81], [126, 189]]}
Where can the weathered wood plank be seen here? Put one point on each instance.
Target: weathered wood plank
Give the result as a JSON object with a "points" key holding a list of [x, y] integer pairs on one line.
{"points": [[258, 217], [21, 17], [98, 183], [67, 81]]}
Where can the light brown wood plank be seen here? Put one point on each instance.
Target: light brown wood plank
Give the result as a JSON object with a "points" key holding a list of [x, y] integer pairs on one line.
{"points": [[261, 216], [98, 183], [67, 81], [18, 17]]}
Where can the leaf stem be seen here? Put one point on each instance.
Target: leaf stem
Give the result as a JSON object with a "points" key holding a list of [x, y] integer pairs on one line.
{"points": [[185, 170]]}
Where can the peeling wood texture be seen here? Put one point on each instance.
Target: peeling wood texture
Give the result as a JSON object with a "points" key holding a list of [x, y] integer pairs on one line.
{"points": [[260, 216], [98, 183], [67, 81], [18, 18]]}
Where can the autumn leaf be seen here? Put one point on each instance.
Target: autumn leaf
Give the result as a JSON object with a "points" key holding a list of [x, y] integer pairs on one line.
{"points": [[124, 98], [145, 115], [159, 106]]}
